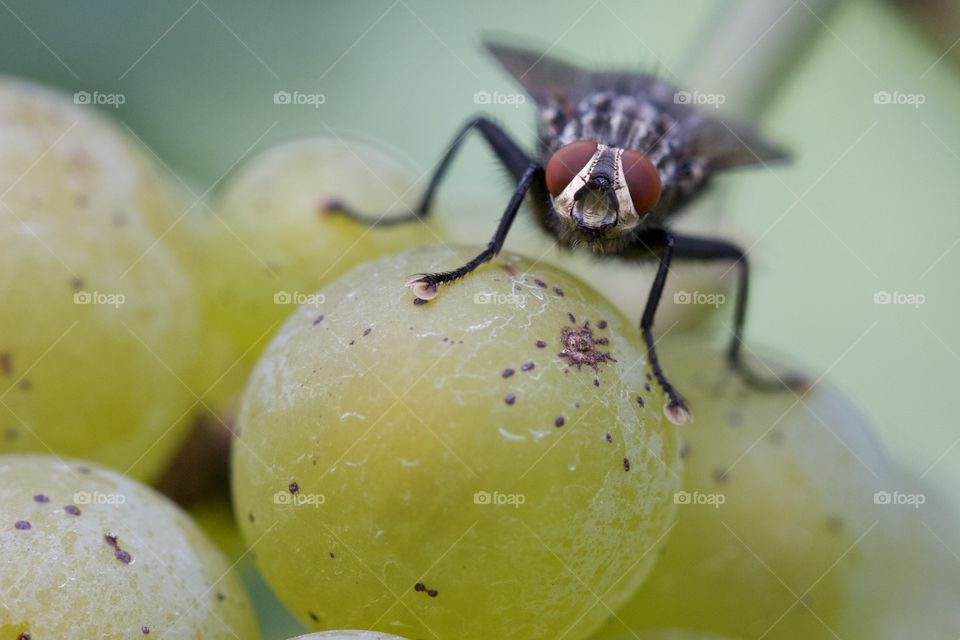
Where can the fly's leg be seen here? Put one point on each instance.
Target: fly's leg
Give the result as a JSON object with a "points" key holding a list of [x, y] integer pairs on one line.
{"points": [[424, 285], [710, 249], [676, 408], [506, 150]]}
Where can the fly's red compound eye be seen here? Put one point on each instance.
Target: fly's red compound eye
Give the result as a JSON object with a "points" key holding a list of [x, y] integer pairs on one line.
{"points": [[566, 162], [643, 181]]}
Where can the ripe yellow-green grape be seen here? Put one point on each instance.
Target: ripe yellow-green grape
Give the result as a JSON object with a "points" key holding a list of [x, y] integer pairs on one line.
{"points": [[348, 635], [271, 243], [499, 450], [89, 553], [777, 501], [669, 634], [99, 326]]}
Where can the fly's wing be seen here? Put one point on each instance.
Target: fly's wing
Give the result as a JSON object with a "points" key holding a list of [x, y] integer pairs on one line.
{"points": [[548, 79], [725, 144]]}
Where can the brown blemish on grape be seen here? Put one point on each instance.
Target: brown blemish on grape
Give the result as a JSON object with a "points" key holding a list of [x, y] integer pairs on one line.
{"points": [[83, 470], [22, 525], [626, 464], [367, 331], [527, 366], [559, 422], [6, 363], [145, 630], [541, 283], [558, 291], [433, 593], [596, 382], [10, 434], [506, 373], [76, 284], [250, 516], [509, 269], [608, 437], [510, 398], [294, 488], [835, 524], [313, 616], [647, 388], [602, 324], [649, 376], [640, 401], [419, 302], [41, 498], [720, 476], [24, 636], [72, 510], [684, 451], [351, 343], [318, 320], [579, 347], [541, 344], [221, 596], [419, 587], [332, 555], [118, 553], [571, 318]]}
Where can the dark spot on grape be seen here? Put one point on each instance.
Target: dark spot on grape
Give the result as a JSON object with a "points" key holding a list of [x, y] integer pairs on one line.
{"points": [[571, 318], [72, 510], [83, 470], [509, 269], [720, 476], [10, 434], [24, 636], [318, 320], [640, 401], [647, 388], [250, 516], [313, 616], [541, 344], [221, 596], [559, 421], [510, 398], [579, 347], [506, 373], [145, 630], [351, 343], [608, 437], [367, 331], [6, 363], [603, 341], [541, 283], [649, 377], [25, 385], [122, 556], [22, 525], [420, 301], [835, 524], [110, 539], [419, 587], [433, 593], [558, 291], [596, 382], [41, 498], [332, 554], [626, 464], [76, 284], [684, 451], [294, 488], [527, 366], [602, 324]]}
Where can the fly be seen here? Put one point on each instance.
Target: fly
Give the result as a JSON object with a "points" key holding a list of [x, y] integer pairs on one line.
{"points": [[618, 157]]}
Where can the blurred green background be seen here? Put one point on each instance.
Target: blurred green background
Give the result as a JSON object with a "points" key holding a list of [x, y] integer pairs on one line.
{"points": [[868, 206]]}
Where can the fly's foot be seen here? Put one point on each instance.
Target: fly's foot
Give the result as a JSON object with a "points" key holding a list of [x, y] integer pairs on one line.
{"points": [[423, 285], [676, 409]]}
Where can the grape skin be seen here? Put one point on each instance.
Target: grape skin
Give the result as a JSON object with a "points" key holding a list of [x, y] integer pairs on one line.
{"points": [[359, 499], [102, 556]]}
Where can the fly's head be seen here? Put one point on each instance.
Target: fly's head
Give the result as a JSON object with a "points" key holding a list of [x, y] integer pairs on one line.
{"points": [[601, 192]]}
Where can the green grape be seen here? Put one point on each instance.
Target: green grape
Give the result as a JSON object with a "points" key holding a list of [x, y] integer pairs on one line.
{"points": [[668, 634], [492, 463], [89, 553], [776, 502], [99, 326], [348, 635], [270, 243]]}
